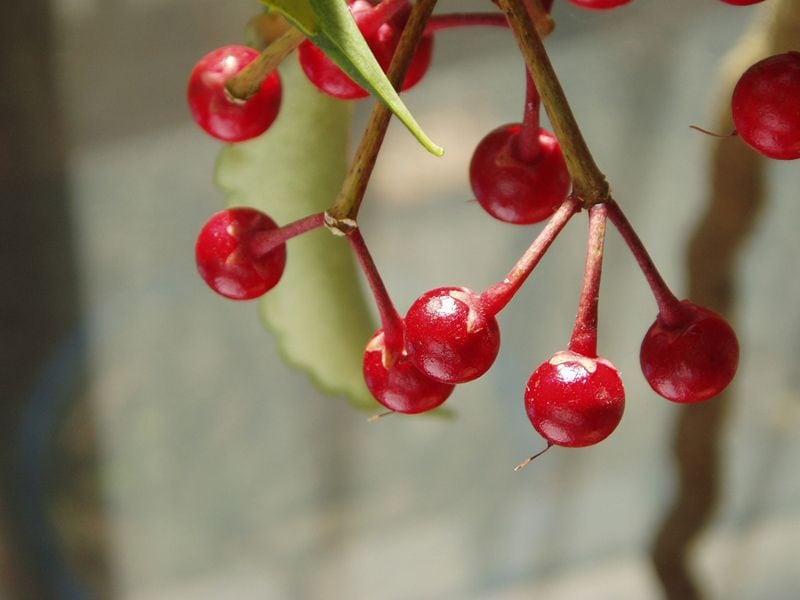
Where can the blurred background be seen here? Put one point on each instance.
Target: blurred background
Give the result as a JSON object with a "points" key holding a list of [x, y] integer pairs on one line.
{"points": [[153, 444]]}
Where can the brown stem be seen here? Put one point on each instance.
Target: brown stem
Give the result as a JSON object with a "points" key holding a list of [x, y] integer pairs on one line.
{"points": [[589, 183], [341, 217], [248, 81], [736, 200], [584, 335], [539, 11]]}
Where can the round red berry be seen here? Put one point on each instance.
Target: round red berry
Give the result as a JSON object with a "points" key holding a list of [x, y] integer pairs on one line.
{"points": [[742, 2], [400, 387], [573, 400], [383, 41], [216, 111], [226, 257], [449, 337], [766, 106], [600, 4], [511, 189], [691, 362]]}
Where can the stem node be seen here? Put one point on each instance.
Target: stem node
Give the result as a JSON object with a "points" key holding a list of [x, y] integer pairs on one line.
{"points": [[341, 227]]}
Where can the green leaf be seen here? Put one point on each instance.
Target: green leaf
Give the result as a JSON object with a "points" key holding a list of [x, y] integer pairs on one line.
{"points": [[329, 25], [300, 12], [317, 311]]}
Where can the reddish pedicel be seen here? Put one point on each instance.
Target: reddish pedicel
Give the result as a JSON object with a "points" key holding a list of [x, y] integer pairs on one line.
{"points": [[600, 4]]}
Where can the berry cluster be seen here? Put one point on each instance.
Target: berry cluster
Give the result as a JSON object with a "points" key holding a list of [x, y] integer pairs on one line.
{"points": [[521, 174]]}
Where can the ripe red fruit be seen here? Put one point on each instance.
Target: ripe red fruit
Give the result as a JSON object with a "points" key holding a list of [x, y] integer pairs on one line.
{"points": [[449, 337], [600, 4], [400, 387], [383, 41], [226, 258], [216, 111], [766, 106], [693, 361], [573, 400], [742, 2], [514, 190]]}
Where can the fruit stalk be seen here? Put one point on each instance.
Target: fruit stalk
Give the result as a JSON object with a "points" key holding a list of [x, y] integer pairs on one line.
{"points": [[247, 82], [342, 215], [494, 299], [670, 310], [263, 242], [379, 14], [544, 23], [453, 20], [391, 321], [589, 183], [584, 335], [528, 144]]}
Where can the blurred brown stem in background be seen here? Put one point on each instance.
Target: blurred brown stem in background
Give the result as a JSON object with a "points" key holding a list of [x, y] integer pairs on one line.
{"points": [[735, 203]]}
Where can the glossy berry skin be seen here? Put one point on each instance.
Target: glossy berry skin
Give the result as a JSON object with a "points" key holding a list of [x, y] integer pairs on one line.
{"points": [[216, 111], [742, 2], [766, 106], [692, 362], [400, 387], [329, 78], [225, 260], [600, 4], [573, 400], [511, 189], [448, 336]]}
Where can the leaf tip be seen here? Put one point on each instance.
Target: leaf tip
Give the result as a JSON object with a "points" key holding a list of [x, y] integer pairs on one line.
{"points": [[435, 149]]}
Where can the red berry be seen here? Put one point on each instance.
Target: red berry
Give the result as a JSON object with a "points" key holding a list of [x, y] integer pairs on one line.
{"points": [[383, 41], [766, 106], [511, 189], [742, 2], [216, 111], [225, 256], [574, 400], [691, 362], [449, 337], [400, 387], [600, 4]]}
